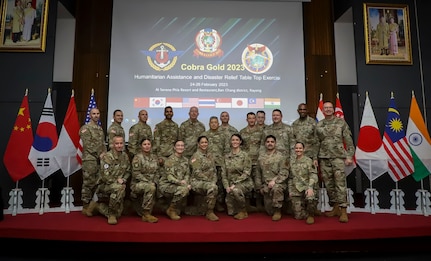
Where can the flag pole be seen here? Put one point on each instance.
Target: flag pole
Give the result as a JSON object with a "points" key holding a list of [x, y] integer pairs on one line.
{"points": [[373, 210]]}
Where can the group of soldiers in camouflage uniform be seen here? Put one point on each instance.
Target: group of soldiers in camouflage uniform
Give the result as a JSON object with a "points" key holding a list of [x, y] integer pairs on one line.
{"points": [[264, 168]]}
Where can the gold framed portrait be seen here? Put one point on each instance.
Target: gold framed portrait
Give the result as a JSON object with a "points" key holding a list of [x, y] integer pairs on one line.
{"points": [[387, 34], [23, 25]]}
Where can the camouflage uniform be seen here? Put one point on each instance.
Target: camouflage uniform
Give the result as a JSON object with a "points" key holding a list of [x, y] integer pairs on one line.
{"points": [[165, 135], [303, 175], [332, 134], [251, 144], [283, 133], [136, 133], [228, 130], [176, 169], [93, 144], [218, 146], [189, 132], [204, 179], [304, 130], [238, 171], [114, 166], [145, 175], [115, 130], [275, 167]]}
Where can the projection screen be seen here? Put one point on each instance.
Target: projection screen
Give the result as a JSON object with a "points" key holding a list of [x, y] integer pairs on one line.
{"points": [[234, 56]]}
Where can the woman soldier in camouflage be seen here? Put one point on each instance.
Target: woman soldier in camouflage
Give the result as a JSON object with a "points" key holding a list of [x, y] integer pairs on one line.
{"points": [[145, 175], [204, 177], [302, 185], [236, 178]]}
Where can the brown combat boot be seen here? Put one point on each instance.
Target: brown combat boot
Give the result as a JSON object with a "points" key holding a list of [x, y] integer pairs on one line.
{"points": [[172, 213], [250, 208], [147, 217], [309, 220], [211, 216], [343, 217], [241, 215], [92, 208], [334, 212], [277, 215], [112, 220], [84, 209]]}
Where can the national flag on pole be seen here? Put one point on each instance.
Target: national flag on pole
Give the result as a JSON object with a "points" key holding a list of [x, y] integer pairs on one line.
{"points": [[319, 114], [340, 114], [45, 141], [19, 144], [400, 161], [66, 153], [338, 108], [419, 141], [91, 105], [370, 154]]}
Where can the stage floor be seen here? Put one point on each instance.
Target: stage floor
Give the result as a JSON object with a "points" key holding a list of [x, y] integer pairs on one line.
{"points": [[258, 227]]}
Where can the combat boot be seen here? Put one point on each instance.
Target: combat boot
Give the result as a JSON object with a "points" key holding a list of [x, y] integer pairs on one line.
{"points": [[249, 206], [259, 204], [172, 213], [219, 207], [112, 220], [92, 208], [277, 215], [334, 212], [147, 217], [343, 217], [84, 209], [241, 215], [309, 220], [211, 216]]}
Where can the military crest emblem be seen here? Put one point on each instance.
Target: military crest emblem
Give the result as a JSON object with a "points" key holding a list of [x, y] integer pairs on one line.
{"points": [[257, 58], [162, 56], [208, 42]]}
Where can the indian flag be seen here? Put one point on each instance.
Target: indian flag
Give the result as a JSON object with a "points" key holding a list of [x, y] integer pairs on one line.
{"points": [[272, 103], [419, 141]]}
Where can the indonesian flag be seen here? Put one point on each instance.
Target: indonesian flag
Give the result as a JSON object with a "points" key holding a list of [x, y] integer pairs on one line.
{"points": [[319, 114], [370, 154], [19, 144], [66, 153], [45, 141], [340, 114]]}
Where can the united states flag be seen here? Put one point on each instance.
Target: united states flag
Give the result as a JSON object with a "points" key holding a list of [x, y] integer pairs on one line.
{"points": [[400, 161], [91, 105]]}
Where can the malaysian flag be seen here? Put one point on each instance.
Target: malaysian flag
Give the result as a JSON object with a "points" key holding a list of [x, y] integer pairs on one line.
{"points": [[400, 161]]}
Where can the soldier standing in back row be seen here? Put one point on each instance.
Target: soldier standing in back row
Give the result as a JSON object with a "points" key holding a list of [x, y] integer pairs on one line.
{"points": [[137, 132], [281, 131], [225, 126], [333, 134], [252, 135], [190, 131], [93, 148], [116, 129], [165, 135]]}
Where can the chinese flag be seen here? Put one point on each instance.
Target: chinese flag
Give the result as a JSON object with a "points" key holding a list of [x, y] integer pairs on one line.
{"points": [[15, 157]]}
